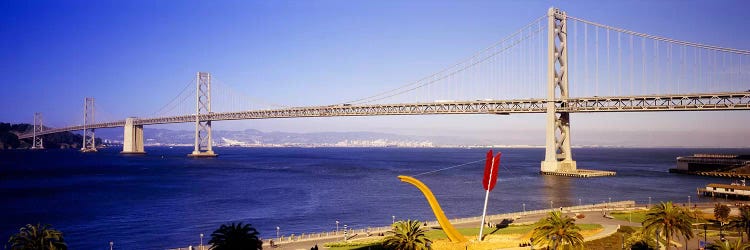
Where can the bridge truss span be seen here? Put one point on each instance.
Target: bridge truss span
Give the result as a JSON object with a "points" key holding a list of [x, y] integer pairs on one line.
{"points": [[74, 128], [690, 102], [461, 107], [693, 102]]}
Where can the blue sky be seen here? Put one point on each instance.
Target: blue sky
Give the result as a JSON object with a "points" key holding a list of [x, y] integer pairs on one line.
{"points": [[134, 56]]}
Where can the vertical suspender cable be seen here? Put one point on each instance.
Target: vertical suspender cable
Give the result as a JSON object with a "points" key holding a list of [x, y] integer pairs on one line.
{"points": [[682, 67], [540, 62], [731, 74], [631, 64], [671, 68], [643, 64], [522, 65], [715, 72], [576, 62], [619, 63], [698, 81], [711, 71], [586, 56], [656, 68], [724, 66], [609, 73], [596, 61]]}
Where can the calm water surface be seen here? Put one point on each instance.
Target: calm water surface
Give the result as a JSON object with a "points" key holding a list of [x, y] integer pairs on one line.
{"points": [[164, 199]]}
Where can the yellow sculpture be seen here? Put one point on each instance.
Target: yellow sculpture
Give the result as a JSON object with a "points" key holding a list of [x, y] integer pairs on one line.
{"points": [[448, 228]]}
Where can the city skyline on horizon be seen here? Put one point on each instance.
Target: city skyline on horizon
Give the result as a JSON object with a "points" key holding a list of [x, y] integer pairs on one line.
{"points": [[322, 53]]}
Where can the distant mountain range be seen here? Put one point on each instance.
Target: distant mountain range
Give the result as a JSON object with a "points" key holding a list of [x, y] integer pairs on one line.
{"points": [[252, 137]]}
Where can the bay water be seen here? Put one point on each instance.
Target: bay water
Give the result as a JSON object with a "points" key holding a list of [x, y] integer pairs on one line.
{"points": [[165, 200]]}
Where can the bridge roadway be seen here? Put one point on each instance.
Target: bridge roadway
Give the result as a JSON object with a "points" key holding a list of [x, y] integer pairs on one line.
{"points": [[646, 103]]}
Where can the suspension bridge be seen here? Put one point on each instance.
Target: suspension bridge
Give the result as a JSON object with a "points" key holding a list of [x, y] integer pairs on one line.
{"points": [[529, 71]]}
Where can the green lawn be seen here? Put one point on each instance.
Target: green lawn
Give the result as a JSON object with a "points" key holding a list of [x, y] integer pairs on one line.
{"points": [[369, 246], [439, 234], [634, 216], [356, 244], [613, 241]]}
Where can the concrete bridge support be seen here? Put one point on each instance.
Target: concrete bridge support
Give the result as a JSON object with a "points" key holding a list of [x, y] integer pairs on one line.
{"points": [[203, 140], [558, 157], [133, 138]]}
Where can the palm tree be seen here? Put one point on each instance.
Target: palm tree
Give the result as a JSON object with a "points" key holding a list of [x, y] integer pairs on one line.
{"points": [[640, 240], [721, 213], [557, 230], [742, 222], [669, 220], [727, 245], [37, 237], [235, 237], [407, 235]]}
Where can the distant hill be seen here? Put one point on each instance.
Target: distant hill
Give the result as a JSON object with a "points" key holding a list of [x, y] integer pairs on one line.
{"points": [[9, 138], [252, 137]]}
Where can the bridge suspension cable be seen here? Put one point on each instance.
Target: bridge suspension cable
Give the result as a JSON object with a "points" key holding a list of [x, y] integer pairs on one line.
{"points": [[619, 64], [103, 113], [467, 71], [663, 39], [231, 99], [179, 102]]}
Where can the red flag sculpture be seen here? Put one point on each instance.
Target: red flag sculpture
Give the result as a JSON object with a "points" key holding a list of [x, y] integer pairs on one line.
{"points": [[487, 167], [490, 171], [491, 166]]}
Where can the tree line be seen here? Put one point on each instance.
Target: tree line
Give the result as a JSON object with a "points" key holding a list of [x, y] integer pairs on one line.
{"points": [[9, 138]]}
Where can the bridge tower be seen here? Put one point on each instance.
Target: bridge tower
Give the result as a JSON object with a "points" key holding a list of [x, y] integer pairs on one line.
{"points": [[133, 138], [558, 157], [37, 141], [203, 140], [89, 143]]}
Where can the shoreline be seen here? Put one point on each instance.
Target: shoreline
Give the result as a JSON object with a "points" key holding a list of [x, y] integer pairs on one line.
{"points": [[320, 238]]}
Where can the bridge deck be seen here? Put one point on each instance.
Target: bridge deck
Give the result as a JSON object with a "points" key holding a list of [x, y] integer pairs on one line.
{"points": [[687, 102]]}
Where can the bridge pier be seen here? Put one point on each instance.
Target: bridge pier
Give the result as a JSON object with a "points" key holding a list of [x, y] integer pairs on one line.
{"points": [[133, 138], [203, 141]]}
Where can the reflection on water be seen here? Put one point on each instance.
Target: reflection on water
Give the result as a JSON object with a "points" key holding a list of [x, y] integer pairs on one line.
{"points": [[558, 189]]}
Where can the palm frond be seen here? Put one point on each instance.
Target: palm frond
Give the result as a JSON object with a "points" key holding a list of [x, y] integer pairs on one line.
{"points": [[407, 235]]}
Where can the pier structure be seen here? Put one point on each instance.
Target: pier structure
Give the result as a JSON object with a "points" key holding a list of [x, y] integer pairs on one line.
{"points": [[698, 163], [726, 191]]}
